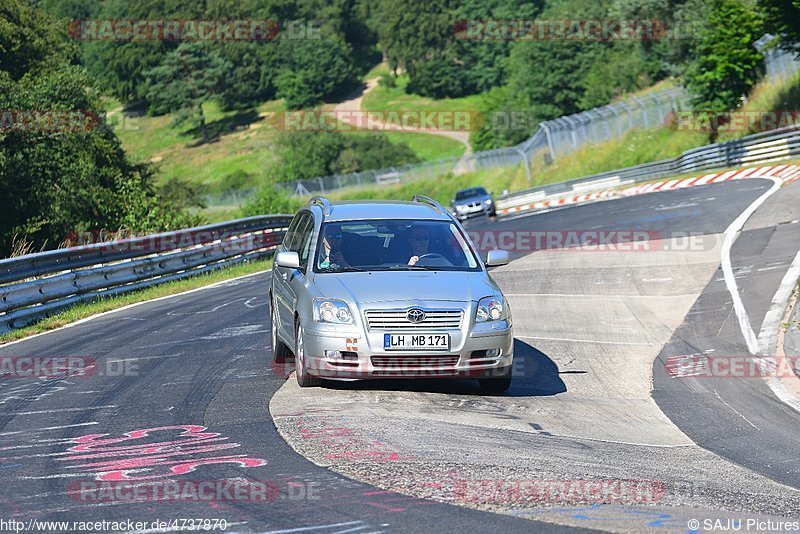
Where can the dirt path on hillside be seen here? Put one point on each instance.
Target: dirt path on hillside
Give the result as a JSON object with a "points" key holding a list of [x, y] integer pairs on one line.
{"points": [[353, 104], [350, 111]]}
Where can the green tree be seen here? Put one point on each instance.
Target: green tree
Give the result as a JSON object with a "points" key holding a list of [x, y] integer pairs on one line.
{"points": [[312, 69], [188, 77], [58, 179], [271, 199], [727, 65], [424, 38], [120, 66], [782, 18], [29, 39], [71, 9], [304, 155]]}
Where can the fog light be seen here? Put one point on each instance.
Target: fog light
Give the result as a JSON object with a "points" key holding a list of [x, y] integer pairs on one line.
{"points": [[333, 354], [492, 353]]}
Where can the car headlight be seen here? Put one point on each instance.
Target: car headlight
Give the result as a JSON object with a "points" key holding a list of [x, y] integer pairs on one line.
{"points": [[491, 309], [489, 202], [460, 207], [332, 311]]}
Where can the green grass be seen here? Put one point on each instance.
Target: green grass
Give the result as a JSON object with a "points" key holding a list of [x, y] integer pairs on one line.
{"points": [[659, 86], [428, 147], [84, 310], [378, 70], [396, 99], [109, 103], [244, 143], [634, 148], [442, 188], [251, 149]]}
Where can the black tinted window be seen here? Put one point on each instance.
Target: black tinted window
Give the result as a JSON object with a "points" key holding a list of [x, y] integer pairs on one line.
{"points": [[468, 193]]}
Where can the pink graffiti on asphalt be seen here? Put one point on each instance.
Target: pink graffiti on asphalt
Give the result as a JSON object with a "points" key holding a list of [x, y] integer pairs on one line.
{"points": [[347, 444], [116, 458]]}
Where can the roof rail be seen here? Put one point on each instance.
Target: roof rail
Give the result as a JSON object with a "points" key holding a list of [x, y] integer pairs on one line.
{"points": [[324, 203], [431, 202]]}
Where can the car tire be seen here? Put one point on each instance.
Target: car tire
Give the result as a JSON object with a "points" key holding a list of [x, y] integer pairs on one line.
{"points": [[304, 378], [279, 349], [497, 384]]}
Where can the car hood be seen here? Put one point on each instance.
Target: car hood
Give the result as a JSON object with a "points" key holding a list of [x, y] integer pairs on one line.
{"points": [[381, 286]]}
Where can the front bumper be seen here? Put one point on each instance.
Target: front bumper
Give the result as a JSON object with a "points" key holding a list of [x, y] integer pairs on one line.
{"points": [[366, 358], [479, 211]]}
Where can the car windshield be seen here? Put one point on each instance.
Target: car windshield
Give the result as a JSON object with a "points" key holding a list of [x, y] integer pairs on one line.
{"points": [[469, 193], [388, 245]]}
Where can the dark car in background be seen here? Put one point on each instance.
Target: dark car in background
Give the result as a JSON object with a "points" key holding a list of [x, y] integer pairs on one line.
{"points": [[472, 202]]}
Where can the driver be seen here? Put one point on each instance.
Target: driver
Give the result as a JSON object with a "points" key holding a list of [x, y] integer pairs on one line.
{"points": [[418, 241], [332, 248]]}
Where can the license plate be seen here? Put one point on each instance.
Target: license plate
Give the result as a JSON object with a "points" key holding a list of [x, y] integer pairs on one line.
{"points": [[416, 341]]}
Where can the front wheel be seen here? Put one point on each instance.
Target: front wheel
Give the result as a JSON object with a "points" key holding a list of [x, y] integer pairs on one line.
{"points": [[304, 378], [497, 384]]}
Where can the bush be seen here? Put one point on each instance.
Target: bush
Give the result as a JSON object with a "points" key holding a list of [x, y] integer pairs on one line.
{"points": [[271, 200], [503, 124], [236, 180], [304, 155], [438, 78], [387, 80]]}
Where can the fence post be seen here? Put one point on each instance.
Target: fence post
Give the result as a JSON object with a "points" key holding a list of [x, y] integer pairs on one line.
{"points": [[527, 164], [546, 129]]}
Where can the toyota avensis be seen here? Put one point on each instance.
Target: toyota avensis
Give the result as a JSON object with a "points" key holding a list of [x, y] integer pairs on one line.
{"points": [[388, 290]]}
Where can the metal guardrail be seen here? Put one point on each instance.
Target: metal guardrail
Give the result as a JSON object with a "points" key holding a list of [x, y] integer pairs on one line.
{"points": [[764, 147], [39, 284]]}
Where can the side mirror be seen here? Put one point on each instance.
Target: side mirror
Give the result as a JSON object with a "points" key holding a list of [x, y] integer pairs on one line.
{"points": [[290, 260], [453, 201], [495, 258]]}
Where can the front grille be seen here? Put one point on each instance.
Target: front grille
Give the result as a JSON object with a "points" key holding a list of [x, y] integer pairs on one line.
{"points": [[397, 320], [415, 362]]}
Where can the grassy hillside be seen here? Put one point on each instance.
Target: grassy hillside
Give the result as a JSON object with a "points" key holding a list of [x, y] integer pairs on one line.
{"points": [[638, 146], [243, 141]]}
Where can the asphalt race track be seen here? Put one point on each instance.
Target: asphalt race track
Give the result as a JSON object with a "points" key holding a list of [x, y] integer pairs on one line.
{"points": [[183, 389]]}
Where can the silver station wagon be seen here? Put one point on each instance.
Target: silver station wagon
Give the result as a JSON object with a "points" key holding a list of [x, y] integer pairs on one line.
{"points": [[365, 290]]}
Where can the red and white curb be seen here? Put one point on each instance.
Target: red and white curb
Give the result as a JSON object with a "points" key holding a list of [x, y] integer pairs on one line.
{"points": [[788, 173]]}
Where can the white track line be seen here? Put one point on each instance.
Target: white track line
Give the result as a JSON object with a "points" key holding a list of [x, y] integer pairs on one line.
{"points": [[768, 335], [785, 384], [592, 341], [62, 410], [729, 236], [766, 343]]}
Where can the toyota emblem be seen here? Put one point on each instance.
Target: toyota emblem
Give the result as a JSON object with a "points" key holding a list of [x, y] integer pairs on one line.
{"points": [[415, 315]]}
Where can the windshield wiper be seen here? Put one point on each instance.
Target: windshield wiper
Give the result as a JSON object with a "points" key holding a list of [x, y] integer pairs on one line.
{"points": [[343, 270], [404, 267]]}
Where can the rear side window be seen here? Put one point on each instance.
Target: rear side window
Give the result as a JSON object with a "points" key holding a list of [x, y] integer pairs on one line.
{"points": [[305, 233], [294, 241], [291, 232]]}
